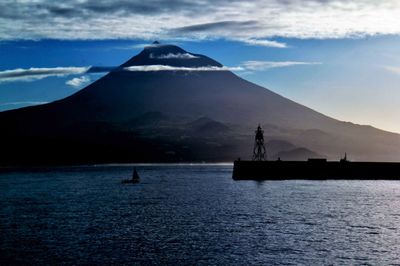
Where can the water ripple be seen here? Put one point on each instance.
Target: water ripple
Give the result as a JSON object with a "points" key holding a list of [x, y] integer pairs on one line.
{"points": [[193, 215]]}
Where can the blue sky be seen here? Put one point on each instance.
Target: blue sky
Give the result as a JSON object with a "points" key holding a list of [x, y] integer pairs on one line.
{"points": [[341, 58]]}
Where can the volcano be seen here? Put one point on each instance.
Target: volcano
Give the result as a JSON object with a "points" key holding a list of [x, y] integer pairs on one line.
{"points": [[168, 105]]}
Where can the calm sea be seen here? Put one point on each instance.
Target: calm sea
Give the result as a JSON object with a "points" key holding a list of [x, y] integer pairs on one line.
{"points": [[191, 214]]}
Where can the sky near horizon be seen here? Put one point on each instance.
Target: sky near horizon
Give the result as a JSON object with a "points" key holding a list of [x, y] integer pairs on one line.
{"points": [[341, 58]]}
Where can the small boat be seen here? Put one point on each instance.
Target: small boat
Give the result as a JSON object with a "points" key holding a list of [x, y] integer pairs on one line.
{"points": [[135, 178]]}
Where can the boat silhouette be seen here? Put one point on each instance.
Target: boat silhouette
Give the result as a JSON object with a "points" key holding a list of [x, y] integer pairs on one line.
{"points": [[135, 178]]}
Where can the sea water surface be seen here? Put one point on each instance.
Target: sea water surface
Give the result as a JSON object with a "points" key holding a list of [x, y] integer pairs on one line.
{"points": [[193, 214]]}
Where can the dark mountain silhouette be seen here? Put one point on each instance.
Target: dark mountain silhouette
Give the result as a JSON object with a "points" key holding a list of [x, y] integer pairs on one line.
{"points": [[156, 116], [275, 146], [207, 126], [149, 119], [297, 154]]}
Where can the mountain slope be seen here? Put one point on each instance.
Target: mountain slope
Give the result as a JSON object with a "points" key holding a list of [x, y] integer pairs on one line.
{"points": [[183, 96]]}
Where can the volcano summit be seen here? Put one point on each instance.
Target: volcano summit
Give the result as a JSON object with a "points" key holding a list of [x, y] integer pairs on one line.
{"points": [[169, 105]]}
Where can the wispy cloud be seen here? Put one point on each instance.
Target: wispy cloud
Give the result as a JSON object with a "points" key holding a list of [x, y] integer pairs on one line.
{"points": [[265, 65], [266, 43], [219, 28], [151, 68], [173, 56], [78, 82], [33, 73], [395, 70], [159, 19], [245, 66]]}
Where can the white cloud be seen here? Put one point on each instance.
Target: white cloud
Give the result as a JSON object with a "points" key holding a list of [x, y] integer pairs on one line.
{"points": [[266, 43], [33, 73], [78, 82], [173, 56], [157, 19], [150, 68], [265, 65], [245, 66], [395, 70]]}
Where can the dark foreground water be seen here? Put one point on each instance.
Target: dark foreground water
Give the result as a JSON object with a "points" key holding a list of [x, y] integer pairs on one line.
{"points": [[194, 215]]}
